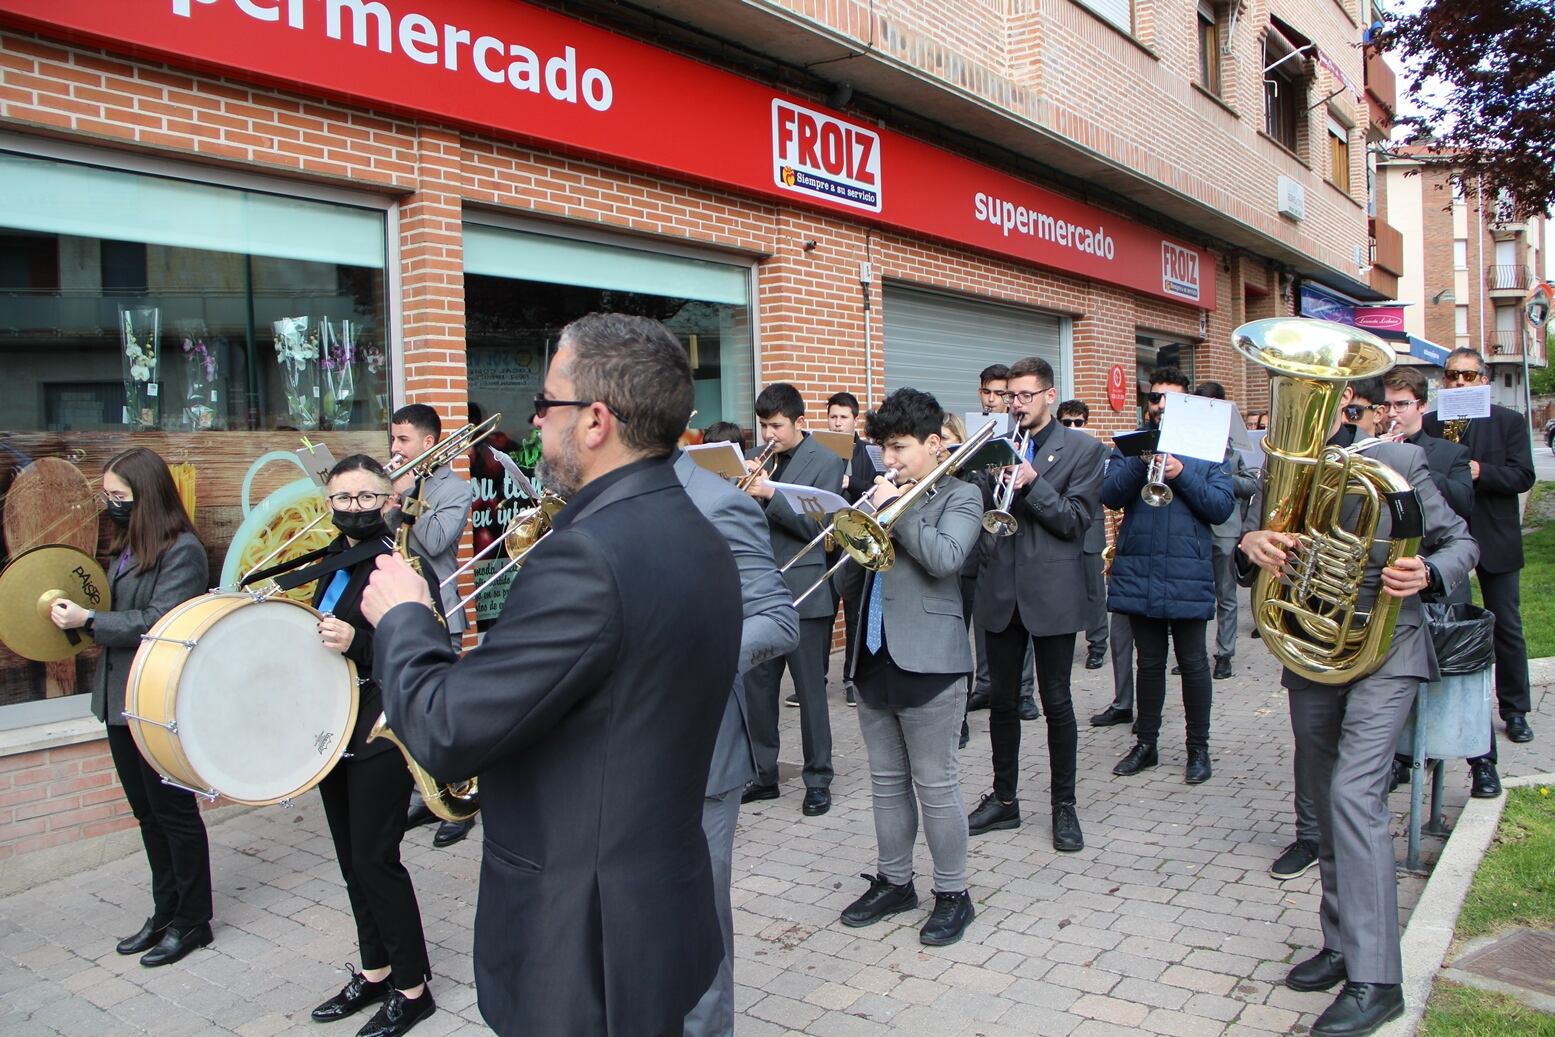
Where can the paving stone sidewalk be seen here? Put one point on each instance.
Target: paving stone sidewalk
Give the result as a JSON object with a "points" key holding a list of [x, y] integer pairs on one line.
{"points": [[1166, 923]]}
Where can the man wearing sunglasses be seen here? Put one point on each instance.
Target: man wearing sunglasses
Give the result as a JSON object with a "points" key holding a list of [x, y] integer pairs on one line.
{"points": [[1367, 416], [1501, 464]]}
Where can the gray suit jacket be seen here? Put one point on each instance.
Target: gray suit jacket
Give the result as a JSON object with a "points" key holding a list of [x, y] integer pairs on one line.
{"points": [[1245, 485], [812, 465], [1054, 511], [1446, 546], [771, 626], [436, 534], [921, 592], [139, 600]]}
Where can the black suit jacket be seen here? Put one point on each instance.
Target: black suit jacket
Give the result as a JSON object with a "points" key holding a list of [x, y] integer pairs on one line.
{"points": [[1503, 447], [1449, 464], [590, 713]]}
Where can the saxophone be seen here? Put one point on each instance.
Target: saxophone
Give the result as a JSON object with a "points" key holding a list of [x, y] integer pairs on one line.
{"points": [[1309, 615], [1453, 430]]}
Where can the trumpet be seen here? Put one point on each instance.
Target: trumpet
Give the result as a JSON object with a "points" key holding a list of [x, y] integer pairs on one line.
{"points": [[999, 521], [1155, 491], [866, 538], [761, 466]]}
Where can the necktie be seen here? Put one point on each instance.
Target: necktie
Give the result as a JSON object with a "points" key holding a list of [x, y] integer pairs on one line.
{"points": [[336, 588], [874, 624]]}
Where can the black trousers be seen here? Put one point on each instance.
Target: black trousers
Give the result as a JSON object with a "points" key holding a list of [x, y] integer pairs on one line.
{"points": [[1502, 594], [1150, 638], [174, 835], [1054, 657], [365, 803], [806, 664]]}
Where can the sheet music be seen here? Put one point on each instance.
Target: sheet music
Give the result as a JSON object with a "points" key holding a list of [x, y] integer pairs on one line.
{"points": [[975, 420], [1472, 401], [1195, 426], [722, 459], [317, 460], [808, 500], [516, 474], [876, 456]]}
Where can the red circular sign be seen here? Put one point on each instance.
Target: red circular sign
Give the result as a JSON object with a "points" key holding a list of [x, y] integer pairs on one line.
{"points": [[1117, 387]]}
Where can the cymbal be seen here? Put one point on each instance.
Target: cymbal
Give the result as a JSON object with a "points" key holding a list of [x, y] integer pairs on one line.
{"points": [[28, 588]]}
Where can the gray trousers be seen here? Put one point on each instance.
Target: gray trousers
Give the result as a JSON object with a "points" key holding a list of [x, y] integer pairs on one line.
{"points": [[1345, 736], [912, 764], [1221, 549], [713, 1016], [982, 684], [806, 664], [1096, 602], [1122, 662]]}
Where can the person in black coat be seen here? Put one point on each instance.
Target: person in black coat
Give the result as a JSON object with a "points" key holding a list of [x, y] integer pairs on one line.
{"points": [[366, 795], [158, 564], [1501, 463], [591, 709]]}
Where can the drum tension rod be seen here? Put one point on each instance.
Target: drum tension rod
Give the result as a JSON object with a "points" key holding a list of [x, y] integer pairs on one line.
{"points": [[170, 640], [209, 795], [171, 727]]}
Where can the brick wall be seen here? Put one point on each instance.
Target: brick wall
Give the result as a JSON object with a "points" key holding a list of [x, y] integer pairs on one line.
{"points": [[57, 796]]}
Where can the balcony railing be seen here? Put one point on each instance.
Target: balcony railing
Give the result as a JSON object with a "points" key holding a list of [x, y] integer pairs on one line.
{"points": [[1504, 343], [1503, 278]]}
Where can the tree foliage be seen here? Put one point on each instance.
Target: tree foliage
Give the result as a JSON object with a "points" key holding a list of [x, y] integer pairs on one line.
{"points": [[1496, 118]]}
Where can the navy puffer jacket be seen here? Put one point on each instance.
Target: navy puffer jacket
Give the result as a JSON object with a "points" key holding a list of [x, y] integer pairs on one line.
{"points": [[1162, 568]]}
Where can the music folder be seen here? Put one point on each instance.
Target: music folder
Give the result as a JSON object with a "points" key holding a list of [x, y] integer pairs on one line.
{"points": [[722, 459], [839, 443], [996, 453], [1137, 444]]}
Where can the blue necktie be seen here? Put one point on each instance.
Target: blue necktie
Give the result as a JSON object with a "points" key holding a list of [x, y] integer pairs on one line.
{"points": [[874, 624], [336, 588]]}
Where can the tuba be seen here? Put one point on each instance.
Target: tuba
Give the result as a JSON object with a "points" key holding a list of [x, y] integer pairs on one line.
{"points": [[1310, 615]]}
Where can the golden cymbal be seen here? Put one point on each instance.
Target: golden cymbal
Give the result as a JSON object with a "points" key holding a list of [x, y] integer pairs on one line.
{"points": [[31, 584]]}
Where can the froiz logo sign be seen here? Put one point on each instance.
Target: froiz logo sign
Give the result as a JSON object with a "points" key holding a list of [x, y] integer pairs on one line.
{"points": [[821, 156], [1179, 271]]}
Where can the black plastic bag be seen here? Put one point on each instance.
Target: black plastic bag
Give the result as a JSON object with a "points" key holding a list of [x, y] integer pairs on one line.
{"points": [[1464, 636]]}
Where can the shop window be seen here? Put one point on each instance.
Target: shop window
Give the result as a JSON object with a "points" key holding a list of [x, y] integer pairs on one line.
{"points": [[521, 289], [1339, 154], [1284, 92], [1209, 47], [215, 325]]}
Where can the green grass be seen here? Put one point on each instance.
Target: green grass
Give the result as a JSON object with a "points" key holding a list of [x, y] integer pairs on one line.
{"points": [[1515, 884], [1538, 572], [1457, 1011]]}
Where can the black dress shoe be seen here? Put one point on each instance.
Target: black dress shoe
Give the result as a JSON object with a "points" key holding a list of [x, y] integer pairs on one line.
{"points": [[1139, 758], [450, 832], [952, 914], [1486, 783], [144, 940], [754, 792], [176, 943], [816, 802], [1360, 1009], [881, 899], [1222, 667], [991, 815], [1319, 972], [1067, 837], [1112, 715], [977, 700], [1028, 708], [966, 735], [357, 994], [1400, 775], [1198, 769], [1095, 658], [420, 814], [398, 1014], [1176, 670], [1517, 728]]}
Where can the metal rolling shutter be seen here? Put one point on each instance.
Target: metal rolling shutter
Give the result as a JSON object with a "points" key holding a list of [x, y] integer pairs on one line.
{"points": [[939, 343]]}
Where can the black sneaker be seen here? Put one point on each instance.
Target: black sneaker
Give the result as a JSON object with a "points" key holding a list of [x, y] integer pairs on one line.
{"points": [[852, 700], [1297, 858], [792, 701], [952, 914], [992, 815], [881, 899]]}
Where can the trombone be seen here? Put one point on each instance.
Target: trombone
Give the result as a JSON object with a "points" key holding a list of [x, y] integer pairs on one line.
{"points": [[826, 535], [866, 538], [1155, 491], [1000, 522], [762, 458], [523, 535]]}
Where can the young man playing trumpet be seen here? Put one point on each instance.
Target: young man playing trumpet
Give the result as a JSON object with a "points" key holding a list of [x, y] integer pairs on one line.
{"points": [[910, 665]]}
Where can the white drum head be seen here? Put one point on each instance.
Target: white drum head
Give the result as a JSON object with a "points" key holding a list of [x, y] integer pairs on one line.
{"points": [[262, 704]]}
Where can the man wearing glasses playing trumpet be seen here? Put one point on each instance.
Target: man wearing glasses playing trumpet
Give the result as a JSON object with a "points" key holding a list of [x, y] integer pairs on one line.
{"points": [[1054, 502]]}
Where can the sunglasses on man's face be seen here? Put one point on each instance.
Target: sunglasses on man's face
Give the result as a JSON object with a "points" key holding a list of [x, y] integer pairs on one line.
{"points": [[1461, 375], [1071, 422], [1353, 411], [1155, 397]]}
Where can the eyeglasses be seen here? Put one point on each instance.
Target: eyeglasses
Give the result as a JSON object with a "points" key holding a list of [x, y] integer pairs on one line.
{"points": [[117, 498], [1401, 404], [1024, 397], [365, 501], [1461, 375], [1155, 397], [1071, 422], [1353, 411], [543, 404]]}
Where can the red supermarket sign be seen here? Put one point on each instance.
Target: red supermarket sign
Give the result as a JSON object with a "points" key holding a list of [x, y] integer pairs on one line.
{"points": [[504, 67]]}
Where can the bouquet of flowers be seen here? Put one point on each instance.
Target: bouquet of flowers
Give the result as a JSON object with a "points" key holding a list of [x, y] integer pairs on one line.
{"points": [[202, 409], [296, 350], [139, 330], [338, 362], [378, 374]]}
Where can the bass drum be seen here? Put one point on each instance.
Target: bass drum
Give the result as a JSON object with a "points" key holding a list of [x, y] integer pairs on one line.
{"points": [[234, 697]]}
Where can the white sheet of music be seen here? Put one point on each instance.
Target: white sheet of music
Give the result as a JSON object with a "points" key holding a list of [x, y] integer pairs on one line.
{"points": [[1195, 426], [1472, 401]]}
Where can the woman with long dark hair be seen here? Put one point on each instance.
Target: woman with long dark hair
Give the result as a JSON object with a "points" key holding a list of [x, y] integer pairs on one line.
{"points": [[157, 563]]}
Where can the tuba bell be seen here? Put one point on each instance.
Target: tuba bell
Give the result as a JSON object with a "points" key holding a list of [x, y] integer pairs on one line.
{"points": [[1310, 615]]}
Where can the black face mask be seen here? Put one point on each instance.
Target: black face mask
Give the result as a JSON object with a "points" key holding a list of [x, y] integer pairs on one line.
{"points": [[360, 525], [120, 511]]}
